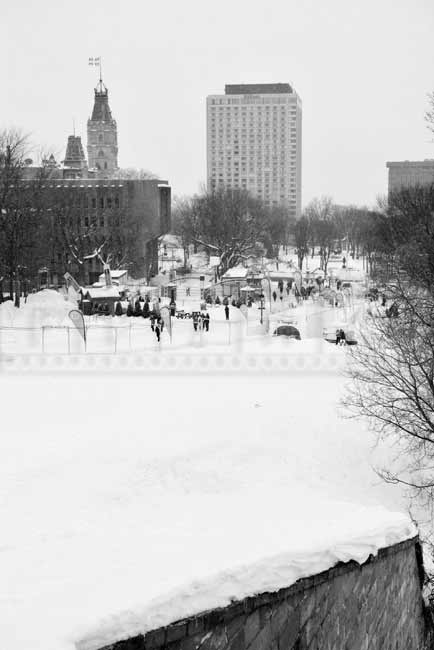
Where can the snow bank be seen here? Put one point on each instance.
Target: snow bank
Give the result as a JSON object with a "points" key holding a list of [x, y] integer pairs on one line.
{"points": [[44, 308], [122, 514]]}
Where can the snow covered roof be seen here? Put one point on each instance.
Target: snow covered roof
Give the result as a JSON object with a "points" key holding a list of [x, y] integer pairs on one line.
{"points": [[169, 239], [281, 275], [102, 292], [237, 272]]}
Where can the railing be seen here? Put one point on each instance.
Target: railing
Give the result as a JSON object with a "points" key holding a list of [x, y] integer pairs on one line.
{"points": [[111, 339]]}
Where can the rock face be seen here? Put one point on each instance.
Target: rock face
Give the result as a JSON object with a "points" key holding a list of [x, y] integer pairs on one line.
{"points": [[374, 606]]}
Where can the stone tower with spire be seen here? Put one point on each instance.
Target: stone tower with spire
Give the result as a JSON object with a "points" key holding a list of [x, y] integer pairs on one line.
{"points": [[74, 165], [102, 136]]}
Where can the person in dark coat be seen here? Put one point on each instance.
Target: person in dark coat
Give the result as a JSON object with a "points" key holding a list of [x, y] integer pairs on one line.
{"points": [[206, 322], [274, 296], [157, 332], [195, 320], [227, 312], [152, 319], [338, 336]]}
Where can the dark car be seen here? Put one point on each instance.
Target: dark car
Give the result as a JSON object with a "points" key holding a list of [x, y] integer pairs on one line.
{"points": [[289, 331]]}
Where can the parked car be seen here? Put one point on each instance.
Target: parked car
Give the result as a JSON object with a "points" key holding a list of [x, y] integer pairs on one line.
{"points": [[289, 331]]}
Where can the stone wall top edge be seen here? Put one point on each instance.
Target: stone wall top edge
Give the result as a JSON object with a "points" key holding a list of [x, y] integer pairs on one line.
{"points": [[204, 621]]}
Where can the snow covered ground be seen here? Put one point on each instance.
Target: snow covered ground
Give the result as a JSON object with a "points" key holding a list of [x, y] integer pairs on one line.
{"points": [[131, 501], [128, 503]]}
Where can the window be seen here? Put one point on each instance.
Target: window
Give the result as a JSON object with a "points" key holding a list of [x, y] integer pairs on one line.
{"points": [[101, 202], [93, 203], [109, 202]]}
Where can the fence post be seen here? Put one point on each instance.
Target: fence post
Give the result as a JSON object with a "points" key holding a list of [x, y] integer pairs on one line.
{"points": [[43, 338], [116, 339], [69, 341]]}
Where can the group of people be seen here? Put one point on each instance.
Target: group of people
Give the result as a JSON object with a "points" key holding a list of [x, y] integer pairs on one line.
{"points": [[341, 338], [157, 324], [200, 321]]}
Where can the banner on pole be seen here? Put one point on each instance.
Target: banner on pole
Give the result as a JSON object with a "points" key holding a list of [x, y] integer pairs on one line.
{"points": [[77, 318]]}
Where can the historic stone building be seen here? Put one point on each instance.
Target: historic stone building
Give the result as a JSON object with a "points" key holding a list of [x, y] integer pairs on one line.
{"points": [[89, 203], [75, 164], [102, 136]]}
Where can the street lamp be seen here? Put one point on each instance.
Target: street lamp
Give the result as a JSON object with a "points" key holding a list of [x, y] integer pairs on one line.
{"points": [[262, 307]]}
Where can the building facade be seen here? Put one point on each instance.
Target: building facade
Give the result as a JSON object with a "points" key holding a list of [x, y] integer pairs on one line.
{"points": [[254, 140], [124, 217], [409, 173]]}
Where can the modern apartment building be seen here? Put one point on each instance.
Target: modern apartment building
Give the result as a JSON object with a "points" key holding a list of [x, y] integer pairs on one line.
{"points": [[408, 173], [254, 142]]}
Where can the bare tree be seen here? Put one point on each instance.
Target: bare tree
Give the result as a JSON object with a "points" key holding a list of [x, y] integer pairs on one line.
{"points": [[185, 224], [133, 174], [82, 233], [392, 372], [228, 222], [301, 230], [429, 114], [319, 209], [22, 244]]}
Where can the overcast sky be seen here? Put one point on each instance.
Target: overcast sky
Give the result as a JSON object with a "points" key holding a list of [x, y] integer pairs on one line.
{"points": [[362, 69]]}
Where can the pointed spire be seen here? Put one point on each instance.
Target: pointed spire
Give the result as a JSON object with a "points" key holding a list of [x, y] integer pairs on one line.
{"points": [[101, 109]]}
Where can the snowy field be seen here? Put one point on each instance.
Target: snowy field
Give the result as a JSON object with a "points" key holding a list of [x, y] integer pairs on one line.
{"points": [[130, 502]]}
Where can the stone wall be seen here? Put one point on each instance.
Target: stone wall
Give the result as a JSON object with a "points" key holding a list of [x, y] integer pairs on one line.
{"points": [[377, 605]]}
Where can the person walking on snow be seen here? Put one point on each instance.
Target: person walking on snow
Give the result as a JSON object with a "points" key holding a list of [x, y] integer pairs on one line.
{"points": [[187, 291], [227, 312], [274, 296], [206, 322], [157, 332]]}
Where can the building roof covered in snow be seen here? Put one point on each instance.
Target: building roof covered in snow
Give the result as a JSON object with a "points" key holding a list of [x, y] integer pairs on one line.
{"points": [[236, 273], [101, 292]]}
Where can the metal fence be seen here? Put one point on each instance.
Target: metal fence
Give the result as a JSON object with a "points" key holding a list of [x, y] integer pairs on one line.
{"points": [[111, 339]]}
